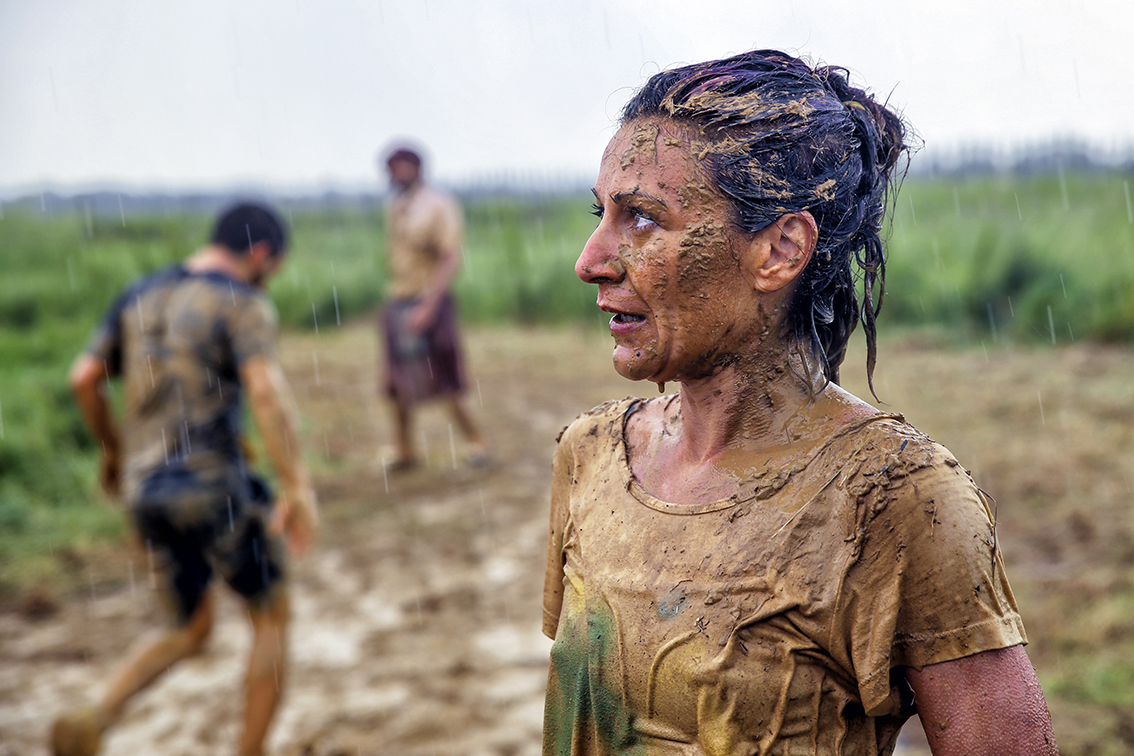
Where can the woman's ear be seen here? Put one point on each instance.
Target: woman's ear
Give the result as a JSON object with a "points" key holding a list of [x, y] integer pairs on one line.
{"points": [[777, 254]]}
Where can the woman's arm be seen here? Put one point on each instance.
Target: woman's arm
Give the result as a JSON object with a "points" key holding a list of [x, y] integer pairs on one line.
{"points": [[988, 704]]}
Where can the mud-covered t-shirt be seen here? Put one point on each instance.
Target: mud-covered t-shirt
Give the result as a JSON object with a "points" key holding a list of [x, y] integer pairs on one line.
{"points": [[178, 339], [770, 622], [421, 224]]}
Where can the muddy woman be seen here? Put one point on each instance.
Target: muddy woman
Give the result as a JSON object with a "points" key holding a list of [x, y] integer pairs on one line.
{"points": [[760, 562]]}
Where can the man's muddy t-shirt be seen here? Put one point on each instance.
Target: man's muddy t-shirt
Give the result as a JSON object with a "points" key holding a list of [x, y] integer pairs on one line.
{"points": [[178, 339], [422, 224], [769, 622]]}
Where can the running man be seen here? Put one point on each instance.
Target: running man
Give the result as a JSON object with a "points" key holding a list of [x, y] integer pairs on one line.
{"points": [[190, 342]]}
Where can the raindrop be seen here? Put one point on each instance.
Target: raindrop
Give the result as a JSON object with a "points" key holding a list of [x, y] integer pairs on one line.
{"points": [[1051, 323], [315, 317], [121, 211], [452, 446], [315, 364], [1129, 210], [335, 292], [985, 350], [1061, 283], [1019, 214], [1040, 400], [913, 213], [385, 477], [479, 395]]}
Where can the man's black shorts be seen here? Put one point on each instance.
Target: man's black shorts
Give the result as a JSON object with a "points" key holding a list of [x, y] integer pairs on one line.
{"points": [[193, 529]]}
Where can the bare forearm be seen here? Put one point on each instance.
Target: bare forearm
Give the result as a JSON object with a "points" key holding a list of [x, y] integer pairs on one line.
{"points": [[88, 379], [274, 412]]}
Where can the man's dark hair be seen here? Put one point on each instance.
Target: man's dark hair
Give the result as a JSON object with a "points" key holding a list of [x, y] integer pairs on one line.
{"points": [[406, 155], [245, 224]]}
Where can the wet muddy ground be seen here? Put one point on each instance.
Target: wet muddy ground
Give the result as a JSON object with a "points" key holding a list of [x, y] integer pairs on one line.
{"points": [[417, 614]]}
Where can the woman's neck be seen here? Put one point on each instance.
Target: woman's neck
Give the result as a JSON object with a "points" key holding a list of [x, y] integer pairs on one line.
{"points": [[755, 404]]}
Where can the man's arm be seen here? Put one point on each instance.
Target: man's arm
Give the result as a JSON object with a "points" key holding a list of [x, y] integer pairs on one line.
{"points": [[426, 310], [988, 704], [88, 384], [273, 409]]}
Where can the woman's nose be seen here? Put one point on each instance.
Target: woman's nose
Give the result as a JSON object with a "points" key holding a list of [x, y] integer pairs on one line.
{"points": [[599, 263]]}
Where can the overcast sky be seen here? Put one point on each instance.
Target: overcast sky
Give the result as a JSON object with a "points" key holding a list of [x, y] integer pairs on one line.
{"points": [[292, 94]]}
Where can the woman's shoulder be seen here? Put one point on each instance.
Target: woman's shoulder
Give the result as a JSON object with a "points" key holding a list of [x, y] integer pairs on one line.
{"points": [[605, 419], [888, 458]]}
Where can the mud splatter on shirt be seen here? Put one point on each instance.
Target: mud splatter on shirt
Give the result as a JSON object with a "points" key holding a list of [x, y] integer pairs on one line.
{"points": [[178, 339]]}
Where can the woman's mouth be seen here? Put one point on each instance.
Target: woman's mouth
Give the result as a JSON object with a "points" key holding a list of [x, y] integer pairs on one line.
{"points": [[625, 317]]}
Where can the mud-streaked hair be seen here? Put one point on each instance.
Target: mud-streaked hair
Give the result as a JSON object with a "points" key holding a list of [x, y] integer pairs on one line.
{"points": [[778, 136]]}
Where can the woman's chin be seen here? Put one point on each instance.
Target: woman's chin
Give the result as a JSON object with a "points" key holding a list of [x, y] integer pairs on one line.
{"points": [[635, 366]]}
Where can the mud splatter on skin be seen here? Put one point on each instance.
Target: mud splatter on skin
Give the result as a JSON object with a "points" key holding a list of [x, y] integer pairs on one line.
{"points": [[643, 144], [703, 254], [695, 194]]}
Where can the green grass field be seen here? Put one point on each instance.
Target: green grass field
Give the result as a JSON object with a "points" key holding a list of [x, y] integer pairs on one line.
{"points": [[1016, 268], [1045, 259]]}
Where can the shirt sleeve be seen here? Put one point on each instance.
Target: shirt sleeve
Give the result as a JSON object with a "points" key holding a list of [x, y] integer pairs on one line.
{"points": [[253, 329], [928, 584], [449, 228], [106, 342], [561, 473]]}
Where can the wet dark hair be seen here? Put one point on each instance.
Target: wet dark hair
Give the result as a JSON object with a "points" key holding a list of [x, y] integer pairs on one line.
{"points": [[246, 223], [406, 154], [782, 137]]}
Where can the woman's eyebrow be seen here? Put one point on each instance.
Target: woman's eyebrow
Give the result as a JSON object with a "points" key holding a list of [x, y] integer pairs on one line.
{"points": [[638, 194]]}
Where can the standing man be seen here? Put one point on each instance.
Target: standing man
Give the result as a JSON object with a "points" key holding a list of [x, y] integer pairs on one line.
{"points": [[423, 360], [189, 342]]}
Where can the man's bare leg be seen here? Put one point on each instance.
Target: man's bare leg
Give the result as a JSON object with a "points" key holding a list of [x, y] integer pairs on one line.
{"points": [[478, 452], [267, 665], [155, 653], [79, 731], [403, 422]]}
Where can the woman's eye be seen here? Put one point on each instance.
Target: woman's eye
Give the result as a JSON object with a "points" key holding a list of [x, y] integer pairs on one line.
{"points": [[596, 210], [641, 220]]}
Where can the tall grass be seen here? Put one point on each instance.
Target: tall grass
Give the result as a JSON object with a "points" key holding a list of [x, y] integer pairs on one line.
{"points": [[1047, 259]]}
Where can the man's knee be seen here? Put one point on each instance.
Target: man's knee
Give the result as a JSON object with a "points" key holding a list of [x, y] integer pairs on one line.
{"points": [[200, 627]]}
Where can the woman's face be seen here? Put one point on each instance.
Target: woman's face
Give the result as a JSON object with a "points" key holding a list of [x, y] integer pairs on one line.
{"points": [[662, 258]]}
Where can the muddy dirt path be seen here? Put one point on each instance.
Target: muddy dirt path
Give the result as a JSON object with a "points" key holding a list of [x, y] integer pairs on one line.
{"points": [[417, 614]]}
